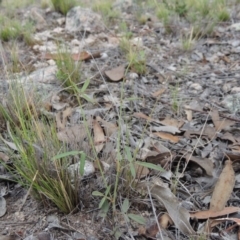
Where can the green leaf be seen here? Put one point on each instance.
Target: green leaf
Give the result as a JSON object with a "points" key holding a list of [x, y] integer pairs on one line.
{"points": [[66, 154], [107, 190], [87, 98], [97, 194], [137, 218], [82, 163], [150, 165], [117, 234], [133, 170], [102, 202], [104, 210], [129, 154], [85, 85], [125, 205]]}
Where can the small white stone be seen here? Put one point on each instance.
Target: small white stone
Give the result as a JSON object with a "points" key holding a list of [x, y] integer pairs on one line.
{"points": [[137, 42], [61, 21], [226, 87], [104, 55], [235, 90], [196, 86], [51, 62], [75, 42], [133, 75], [58, 30], [145, 80], [75, 168]]}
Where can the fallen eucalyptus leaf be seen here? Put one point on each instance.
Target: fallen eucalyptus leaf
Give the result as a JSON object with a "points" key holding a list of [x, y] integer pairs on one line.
{"points": [[179, 215], [223, 188]]}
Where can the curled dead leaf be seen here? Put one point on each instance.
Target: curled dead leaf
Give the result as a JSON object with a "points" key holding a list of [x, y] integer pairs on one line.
{"points": [[165, 221], [158, 93], [99, 137], [167, 136], [144, 116]]}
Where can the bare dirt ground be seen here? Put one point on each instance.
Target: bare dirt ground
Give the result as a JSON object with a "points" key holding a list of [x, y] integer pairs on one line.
{"points": [[182, 113]]}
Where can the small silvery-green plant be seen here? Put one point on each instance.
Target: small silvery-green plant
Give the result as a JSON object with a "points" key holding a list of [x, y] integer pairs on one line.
{"points": [[104, 7], [68, 69], [15, 62], [163, 13], [63, 6], [69, 73], [223, 15], [136, 57], [175, 99], [188, 42], [9, 29], [125, 31]]}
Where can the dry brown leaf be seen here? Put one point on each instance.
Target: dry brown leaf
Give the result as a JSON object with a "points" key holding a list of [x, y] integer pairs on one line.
{"points": [[179, 215], [164, 159], [85, 56], [4, 157], [205, 163], [220, 124], [172, 122], [76, 56], [141, 171], [73, 134], [109, 128], [165, 221], [116, 74], [168, 129], [208, 131], [61, 118], [99, 137], [152, 230], [158, 93], [232, 155], [228, 136], [10, 237], [188, 113], [223, 188], [144, 116], [212, 214], [167, 136]]}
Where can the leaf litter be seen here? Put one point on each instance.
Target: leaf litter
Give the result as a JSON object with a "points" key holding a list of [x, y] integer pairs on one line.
{"points": [[176, 122]]}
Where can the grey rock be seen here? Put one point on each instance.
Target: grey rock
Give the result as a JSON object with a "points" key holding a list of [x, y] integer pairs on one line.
{"points": [[80, 19]]}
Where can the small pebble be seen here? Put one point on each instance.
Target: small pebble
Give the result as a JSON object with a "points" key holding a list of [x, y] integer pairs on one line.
{"points": [[196, 86]]}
